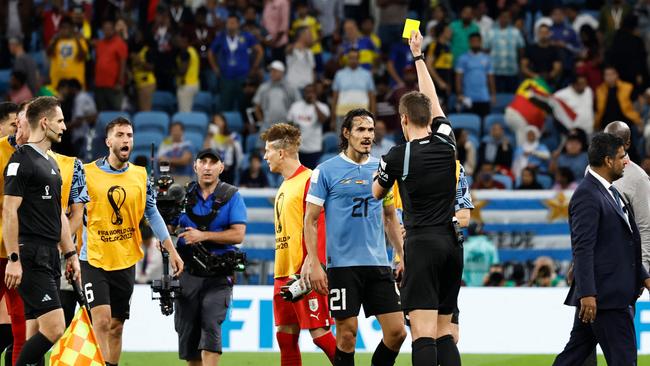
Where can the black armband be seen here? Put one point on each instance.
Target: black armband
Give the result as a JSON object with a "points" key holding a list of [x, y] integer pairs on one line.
{"points": [[69, 254]]}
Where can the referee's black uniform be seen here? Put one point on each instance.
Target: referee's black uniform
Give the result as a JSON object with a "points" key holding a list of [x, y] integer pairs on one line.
{"points": [[426, 173], [34, 176]]}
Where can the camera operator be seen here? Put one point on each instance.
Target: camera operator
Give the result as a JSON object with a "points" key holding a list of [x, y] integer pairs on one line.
{"points": [[214, 221]]}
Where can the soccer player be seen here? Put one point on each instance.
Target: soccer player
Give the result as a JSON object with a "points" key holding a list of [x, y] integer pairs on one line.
{"points": [[425, 169], [33, 199], [120, 195], [358, 270], [311, 312]]}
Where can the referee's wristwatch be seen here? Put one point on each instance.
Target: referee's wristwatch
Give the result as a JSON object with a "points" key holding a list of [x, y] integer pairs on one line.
{"points": [[418, 57], [13, 257]]}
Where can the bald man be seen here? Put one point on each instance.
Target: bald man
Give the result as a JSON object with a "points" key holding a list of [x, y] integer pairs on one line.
{"points": [[635, 187]]}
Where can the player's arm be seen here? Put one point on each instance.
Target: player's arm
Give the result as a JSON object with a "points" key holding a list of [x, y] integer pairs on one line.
{"points": [[312, 272], [383, 180], [394, 231], [14, 270], [425, 83], [463, 216], [78, 197], [69, 250], [463, 203]]}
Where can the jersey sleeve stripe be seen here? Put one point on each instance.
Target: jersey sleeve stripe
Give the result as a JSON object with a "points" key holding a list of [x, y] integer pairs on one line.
{"points": [[315, 200]]}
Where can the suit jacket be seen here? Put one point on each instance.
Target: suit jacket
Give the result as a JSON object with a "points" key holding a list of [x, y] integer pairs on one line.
{"points": [[606, 251]]}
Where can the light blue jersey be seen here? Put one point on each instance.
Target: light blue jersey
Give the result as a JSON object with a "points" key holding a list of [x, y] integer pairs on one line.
{"points": [[353, 217]]}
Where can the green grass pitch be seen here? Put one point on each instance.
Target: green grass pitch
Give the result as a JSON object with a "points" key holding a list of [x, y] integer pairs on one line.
{"points": [[316, 359]]}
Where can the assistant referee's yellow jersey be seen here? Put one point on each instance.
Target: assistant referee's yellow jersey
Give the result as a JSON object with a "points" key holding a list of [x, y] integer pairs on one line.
{"points": [[117, 203]]}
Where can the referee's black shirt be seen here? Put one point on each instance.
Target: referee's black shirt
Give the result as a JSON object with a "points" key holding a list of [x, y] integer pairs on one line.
{"points": [[35, 177], [426, 173]]}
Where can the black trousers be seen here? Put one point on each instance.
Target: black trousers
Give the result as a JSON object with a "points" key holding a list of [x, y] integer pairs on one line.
{"points": [[613, 330]]}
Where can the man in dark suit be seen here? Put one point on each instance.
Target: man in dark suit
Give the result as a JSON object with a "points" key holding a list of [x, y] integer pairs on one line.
{"points": [[608, 274]]}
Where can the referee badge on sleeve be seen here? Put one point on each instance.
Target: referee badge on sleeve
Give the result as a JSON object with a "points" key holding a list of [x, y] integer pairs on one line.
{"points": [[12, 169]]}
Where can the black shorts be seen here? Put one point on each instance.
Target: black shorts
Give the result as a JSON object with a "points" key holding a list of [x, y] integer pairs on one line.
{"points": [[39, 286], [112, 288], [199, 313], [370, 286], [433, 270]]}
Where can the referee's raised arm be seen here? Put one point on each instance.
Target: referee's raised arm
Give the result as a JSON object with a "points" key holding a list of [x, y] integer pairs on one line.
{"points": [[425, 83]]}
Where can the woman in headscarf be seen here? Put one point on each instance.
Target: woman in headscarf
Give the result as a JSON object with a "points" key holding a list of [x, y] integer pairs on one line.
{"points": [[531, 153]]}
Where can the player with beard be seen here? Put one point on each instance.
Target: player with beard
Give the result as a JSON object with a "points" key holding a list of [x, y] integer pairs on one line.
{"points": [[120, 195], [33, 199], [358, 269]]}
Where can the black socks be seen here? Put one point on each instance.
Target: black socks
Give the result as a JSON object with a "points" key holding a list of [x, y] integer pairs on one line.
{"points": [[343, 358], [34, 349], [383, 355], [424, 352], [448, 354]]}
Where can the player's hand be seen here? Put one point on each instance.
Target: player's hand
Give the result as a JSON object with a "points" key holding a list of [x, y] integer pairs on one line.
{"points": [[318, 278], [415, 42], [399, 272], [177, 263], [587, 309], [13, 274], [192, 235], [305, 271], [73, 269]]}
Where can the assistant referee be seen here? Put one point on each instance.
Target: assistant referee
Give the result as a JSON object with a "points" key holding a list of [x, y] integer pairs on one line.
{"points": [[33, 200], [425, 171]]}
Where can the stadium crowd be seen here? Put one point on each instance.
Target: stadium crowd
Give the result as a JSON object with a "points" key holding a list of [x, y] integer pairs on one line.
{"points": [[524, 82]]}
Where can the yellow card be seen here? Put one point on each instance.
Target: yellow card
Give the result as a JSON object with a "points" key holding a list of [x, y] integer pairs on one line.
{"points": [[410, 25]]}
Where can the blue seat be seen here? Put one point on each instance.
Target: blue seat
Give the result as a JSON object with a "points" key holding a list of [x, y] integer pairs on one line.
{"points": [[151, 121], [493, 118], [251, 143], [105, 117], [164, 101], [203, 102], [5, 75], [141, 151], [330, 143], [468, 121], [474, 140], [504, 179], [196, 140], [192, 121], [234, 121], [546, 181], [142, 141], [325, 157], [503, 100]]}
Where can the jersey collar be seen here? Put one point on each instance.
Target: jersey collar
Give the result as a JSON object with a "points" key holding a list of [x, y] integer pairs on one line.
{"points": [[345, 157]]}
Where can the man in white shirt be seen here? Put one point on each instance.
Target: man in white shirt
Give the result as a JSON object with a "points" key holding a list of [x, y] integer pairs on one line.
{"points": [[309, 114], [579, 97]]}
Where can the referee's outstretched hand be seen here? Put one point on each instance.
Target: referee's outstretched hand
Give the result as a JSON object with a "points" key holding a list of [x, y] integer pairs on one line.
{"points": [[415, 42], [13, 274]]}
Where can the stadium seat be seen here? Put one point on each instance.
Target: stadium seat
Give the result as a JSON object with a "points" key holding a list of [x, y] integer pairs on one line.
{"points": [[468, 121], [164, 101], [251, 143], [330, 143], [192, 121], [491, 119], [196, 140], [474, 140], [234, 121], [5, 75], [203, 102], [325, 157], [546, 181], [141, 151], [504, 179], [142, 141], [503, 100], [104, 118], [151, 121]]}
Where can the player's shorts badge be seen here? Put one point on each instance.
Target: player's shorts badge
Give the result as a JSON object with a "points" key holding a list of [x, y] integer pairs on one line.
{"points": [[313, 305]]}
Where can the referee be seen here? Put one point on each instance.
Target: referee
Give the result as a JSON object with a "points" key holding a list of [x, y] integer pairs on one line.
{"points": [[425, 169], [33, 199]]}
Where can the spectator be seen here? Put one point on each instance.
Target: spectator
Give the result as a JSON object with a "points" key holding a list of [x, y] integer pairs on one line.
{"points": [[275, 19], [354, 40], [368, 30], [590, 59], [274, 97], [142, 68], [485, 179], [217, 13], [481, 18], [579, 97], [67, 54], [330, 16], [309, 114], [382, 143], [410, 79], [506, 45], [391, 21], [200, 38], [52, 19], [440, 61], [163, 53], [465, 150], [188, 64], [475, 79], [479, 255], [564, 179], [564, 38], [230, 59], [542, 59], [544, 274], [461, 29], [8, 118], [353, 88], [531, 153], [16, 21], [529, 180], [400, 57], [227, 143], [110, 69], [181, 16], [614, 102], [611, 18], [578, 19], [304, 20], [628, 54], [572, 155], [495, 276], [254, 177], [301, 61], [84, 114], [646, 165], [496, 149], [252, 25], [438, 16], [18, 90], [81, 24], [25, 64], [177, 151]]}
